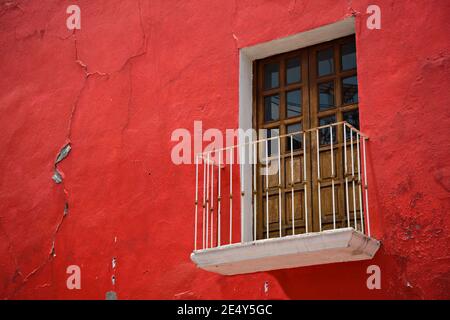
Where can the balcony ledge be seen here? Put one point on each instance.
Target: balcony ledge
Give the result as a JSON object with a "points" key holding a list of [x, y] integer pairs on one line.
{"points": [[300, 250]]}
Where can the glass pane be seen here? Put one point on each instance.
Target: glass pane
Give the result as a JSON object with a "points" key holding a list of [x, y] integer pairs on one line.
{"points": [[351, 117], [293, 72], [326, 95], [271, 75], [350, 90], [325, 62], [293, 103], [272, 145], [324, 133], [348, 56], [296, 138], [271, 108]]}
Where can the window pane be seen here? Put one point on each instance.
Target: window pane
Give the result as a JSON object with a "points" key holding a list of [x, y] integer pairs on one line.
{"points": [[271, 108], [293, 73], [272, 145], [348, 56], [324, 133], [296, 138], [326, 95], [293, 103], [325, 62], [351, 117], [350, 90], [271, 75]]}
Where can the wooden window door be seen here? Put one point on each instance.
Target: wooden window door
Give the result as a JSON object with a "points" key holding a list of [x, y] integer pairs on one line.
{"points": [[297, 91]]}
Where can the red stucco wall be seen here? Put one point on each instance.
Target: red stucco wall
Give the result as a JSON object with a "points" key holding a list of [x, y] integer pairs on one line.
{"points": [[118, 87]]}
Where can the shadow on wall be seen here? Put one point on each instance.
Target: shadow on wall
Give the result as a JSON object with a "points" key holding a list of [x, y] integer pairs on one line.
{"points": [[348, 280]]}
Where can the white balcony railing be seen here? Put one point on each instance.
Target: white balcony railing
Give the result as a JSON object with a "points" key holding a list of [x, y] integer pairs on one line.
{"points": [[223, 175]]}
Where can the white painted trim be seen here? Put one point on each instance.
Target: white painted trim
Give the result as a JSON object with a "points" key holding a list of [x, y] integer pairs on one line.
{"points": [[246, 57], [308, 38], [245, 123]]}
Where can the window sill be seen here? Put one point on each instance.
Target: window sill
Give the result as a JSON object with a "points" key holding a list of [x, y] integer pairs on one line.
{"points": [[329, 246]]}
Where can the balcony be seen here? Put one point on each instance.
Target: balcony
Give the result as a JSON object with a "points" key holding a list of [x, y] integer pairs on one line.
{"points": [[285, 201]]}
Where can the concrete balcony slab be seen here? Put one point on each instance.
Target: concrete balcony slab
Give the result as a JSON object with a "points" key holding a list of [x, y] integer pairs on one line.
{"points": [[329, 246]]}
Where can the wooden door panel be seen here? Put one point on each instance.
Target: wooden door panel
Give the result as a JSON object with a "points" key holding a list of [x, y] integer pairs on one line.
{"points": [[314, 86], [297, 166], [326, 170]]}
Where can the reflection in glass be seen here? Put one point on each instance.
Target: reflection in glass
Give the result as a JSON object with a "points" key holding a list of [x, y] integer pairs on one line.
{"points": [[293, 73], [296, 138], [348, 56], [271, 75], [272, 145], [293, 103], [325, 62], [271, 108], [350, 90], [326, 95], [324, 133], [352, 117]]}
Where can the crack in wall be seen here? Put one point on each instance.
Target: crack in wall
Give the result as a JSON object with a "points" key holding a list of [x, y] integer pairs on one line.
{"points": [[130, 97], [143, 49], [17, 271], [64, 152], [8, 6], [83, 65], [141, 52], [58, 176]]}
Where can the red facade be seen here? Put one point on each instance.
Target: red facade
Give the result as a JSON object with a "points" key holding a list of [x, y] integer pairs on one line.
{"points": [[117, 88]]}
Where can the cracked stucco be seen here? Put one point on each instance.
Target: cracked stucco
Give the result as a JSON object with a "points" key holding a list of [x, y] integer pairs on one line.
{"points": [[116, 89], [58, 175]]}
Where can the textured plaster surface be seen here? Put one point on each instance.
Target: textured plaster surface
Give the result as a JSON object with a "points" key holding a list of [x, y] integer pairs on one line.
{"points": [[117, 88]]}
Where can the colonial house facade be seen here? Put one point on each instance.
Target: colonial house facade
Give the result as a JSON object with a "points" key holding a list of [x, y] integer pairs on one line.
{"points": [[225, 149]]}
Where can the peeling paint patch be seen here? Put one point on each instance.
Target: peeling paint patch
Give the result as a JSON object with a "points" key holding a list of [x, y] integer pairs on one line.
{"points": [[52, 252], [111, 295], [63, 153], [57, 177]]}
